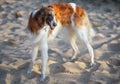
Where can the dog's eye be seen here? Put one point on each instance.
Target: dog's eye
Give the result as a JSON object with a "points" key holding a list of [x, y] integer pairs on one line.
{"points": [[41, 13], [49, 15]]}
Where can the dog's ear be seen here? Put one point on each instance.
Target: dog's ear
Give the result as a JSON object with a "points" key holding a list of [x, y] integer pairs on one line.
{"points": [[40, 16], [50, 7], [41, 12]]}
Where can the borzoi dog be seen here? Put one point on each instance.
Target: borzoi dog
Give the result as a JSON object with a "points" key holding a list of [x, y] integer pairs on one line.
{"points": [[46, 22]]}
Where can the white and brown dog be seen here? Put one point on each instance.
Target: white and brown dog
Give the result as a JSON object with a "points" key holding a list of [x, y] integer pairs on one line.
{"points": [[45, 23]]}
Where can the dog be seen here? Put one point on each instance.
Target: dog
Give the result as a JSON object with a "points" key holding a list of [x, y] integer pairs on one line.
{"points": [[46, 22]]}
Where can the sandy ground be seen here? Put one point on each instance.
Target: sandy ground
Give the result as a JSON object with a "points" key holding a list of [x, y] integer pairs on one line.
{"points": [[15, 47]]}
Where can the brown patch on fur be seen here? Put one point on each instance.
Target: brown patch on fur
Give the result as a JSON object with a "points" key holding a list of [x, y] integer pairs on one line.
{"points": [[63, 13], [79, 16], [32, 25], [36, 22]]}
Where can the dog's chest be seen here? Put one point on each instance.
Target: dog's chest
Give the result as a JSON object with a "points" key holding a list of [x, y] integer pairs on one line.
{"points": [[52, 34], [61, 32]]}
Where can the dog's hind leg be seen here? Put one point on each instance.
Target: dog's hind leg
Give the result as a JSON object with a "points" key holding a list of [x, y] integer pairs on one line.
{"points": [[83, 33], [34, 56], [74, 47]]}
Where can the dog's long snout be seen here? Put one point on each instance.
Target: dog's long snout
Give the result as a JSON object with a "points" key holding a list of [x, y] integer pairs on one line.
{"points": [[54, 24]]}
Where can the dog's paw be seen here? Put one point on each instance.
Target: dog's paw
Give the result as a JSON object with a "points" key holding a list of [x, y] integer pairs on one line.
{"points": [[91, 64], [44, 78], [29, 71], [72, 60]]}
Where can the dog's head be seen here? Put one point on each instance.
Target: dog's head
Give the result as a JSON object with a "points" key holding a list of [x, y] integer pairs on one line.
{"points": [[46, 16], [51, 20], [41, 17]]}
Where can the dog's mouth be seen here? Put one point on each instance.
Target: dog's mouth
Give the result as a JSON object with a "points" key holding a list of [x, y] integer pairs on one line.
{"points": [[52, 24], [50, 21]]}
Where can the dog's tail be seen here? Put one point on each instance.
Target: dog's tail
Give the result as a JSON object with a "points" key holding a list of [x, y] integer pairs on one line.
{"points": [[91, 31], [91, 34]]}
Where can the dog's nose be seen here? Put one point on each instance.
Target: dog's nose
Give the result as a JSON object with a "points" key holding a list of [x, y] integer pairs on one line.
{"points": [[54, 24]]}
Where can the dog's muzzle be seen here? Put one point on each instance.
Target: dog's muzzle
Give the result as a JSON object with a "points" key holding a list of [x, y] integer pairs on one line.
{"points": [[52, 24]]}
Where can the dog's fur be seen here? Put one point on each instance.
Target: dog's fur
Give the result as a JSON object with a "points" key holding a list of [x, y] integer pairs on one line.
{"points": [[45, 23]]}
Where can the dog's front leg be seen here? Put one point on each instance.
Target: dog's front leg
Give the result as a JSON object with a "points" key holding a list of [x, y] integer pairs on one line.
{"points": [[34, 56], [44, 53]]}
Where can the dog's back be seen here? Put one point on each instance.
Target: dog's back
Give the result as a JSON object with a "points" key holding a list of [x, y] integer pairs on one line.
{"points": [[72, 17]]}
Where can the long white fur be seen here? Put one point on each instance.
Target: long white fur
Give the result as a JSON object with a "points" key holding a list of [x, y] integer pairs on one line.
{"points": [[40, 40], [41, 34], [55, 32], [83, 34]]}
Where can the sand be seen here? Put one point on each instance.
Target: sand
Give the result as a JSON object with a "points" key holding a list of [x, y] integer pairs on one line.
{"points": [[15, 46]]}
